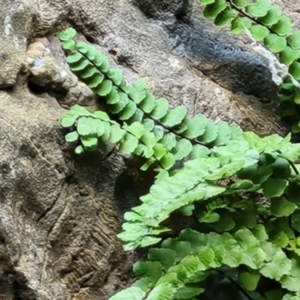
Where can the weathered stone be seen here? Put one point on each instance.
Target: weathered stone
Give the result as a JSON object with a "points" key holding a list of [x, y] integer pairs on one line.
{"points": [[58, 218]]}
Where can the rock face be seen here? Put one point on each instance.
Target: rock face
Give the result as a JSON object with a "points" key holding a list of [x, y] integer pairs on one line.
{"points": [[58, 213]]}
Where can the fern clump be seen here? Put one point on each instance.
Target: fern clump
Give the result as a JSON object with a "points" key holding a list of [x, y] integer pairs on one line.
{"points": [[238, 192]]}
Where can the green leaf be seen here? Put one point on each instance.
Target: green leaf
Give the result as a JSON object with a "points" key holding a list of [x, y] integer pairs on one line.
{"points": [[159, 151], [248, 172], [169, 140], [85, 127], [120, 105], [283, 26], [113, 97], [239, 24], [174, 116], [105, 88], [199, 151], [148, 138], [132, 293], [88, 50], [290, 283], [72, 137], [275, 43], [289, 55], [162, 291], [136, 129], [144, 283], [104, 67], [278, 265], [259, 9], [196, 126], [115, 75], [205, 2], [165, 256], [292, 192], [266, 159], [209, 217], [161, 108], [151, 269], [79, 111], [213, 9], [69, 45], [116, 133], [294, 70], [129, 144], [99, 114], [187, 210], [281, 168], [149, 125], [280, 207], [89, 143], [242, 185], [148, 163], [252, 253], [274, 187], [67, 34], [79, 150], [148, 104], [95, 82], [80, 66], [249, 280], [259, 32], [272, 17], [225, 223], [181, 248], [240, 3], [74, 58], [167, 161], [182, 149], [294, 40], [188, 292], [158, 132], [137, 116], [144, 151], [224, 133], [296, 220], [100, 61], [128, 111], [69, 119], [138, 92], [289, 297], [89, 72], [225, 17], [211, 132]]}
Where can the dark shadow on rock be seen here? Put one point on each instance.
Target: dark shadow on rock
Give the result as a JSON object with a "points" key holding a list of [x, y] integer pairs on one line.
{"points": [[219, 58]]}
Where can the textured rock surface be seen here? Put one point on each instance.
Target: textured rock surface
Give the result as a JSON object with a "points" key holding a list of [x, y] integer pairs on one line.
{"points": [[58, 217]]}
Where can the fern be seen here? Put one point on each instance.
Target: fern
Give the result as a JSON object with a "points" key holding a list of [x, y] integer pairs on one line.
{"points": [[266, 23], [180, 265], [180, 135], [241, 191]]}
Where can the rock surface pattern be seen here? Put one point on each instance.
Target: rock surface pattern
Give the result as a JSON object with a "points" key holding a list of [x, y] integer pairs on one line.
{"points": [[58, 214]]}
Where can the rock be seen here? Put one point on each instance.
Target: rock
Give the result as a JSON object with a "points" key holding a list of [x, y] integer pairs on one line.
{"points": [[58, 213]]}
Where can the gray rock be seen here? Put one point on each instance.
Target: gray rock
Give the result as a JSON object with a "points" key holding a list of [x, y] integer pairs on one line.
{"points": [[58, 214]]}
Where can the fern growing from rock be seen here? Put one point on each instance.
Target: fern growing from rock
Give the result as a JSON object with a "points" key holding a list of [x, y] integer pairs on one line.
{"points": [[226, 175], [266, 23]]}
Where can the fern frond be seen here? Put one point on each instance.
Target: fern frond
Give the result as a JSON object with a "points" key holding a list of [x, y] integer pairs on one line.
{"points": [[265, 23], [184, 262], [184, 137]]}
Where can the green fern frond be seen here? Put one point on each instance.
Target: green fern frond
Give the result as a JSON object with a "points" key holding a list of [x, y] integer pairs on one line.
{"points": [[265, 22], [136, 104]]}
